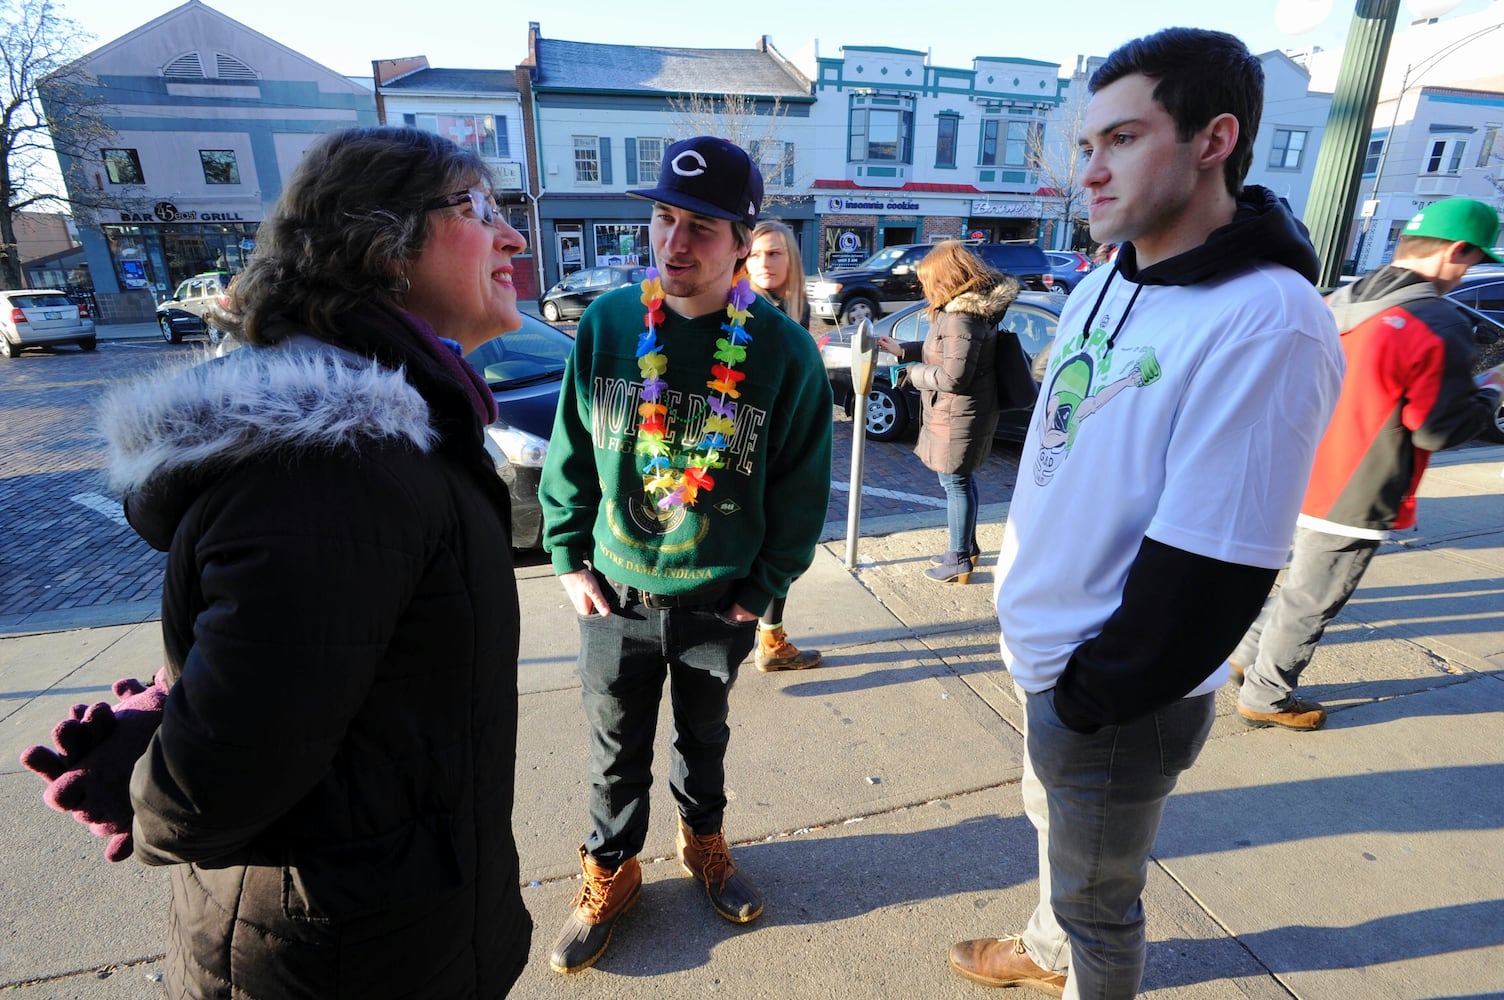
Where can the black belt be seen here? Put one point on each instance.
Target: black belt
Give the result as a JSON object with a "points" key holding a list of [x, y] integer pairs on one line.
{"points": [[698, 598]]}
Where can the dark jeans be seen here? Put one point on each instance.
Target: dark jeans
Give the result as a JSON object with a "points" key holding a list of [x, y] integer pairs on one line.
{"points": [[623, 661], [961, 500]]}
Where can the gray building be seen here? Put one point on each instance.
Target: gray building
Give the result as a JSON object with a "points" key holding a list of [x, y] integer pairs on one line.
{"points": [[603, 114], [209, 117]]}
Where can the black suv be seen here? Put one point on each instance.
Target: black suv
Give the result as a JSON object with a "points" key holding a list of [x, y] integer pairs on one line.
{"points": [[888, 279]]}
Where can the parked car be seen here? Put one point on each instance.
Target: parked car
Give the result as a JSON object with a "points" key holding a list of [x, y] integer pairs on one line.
{"points": [[1488, 331], [525, 370], [568, 298], [1482, 288], [1067, 267], [188, 312], [42, 317], [891, 412], [888, 280]]}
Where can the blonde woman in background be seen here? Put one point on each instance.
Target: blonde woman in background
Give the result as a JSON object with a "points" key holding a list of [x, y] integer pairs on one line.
{"points": [[777, 273]]}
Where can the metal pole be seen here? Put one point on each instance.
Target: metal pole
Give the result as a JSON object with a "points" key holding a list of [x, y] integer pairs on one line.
{"points": [[1339, 163], [863, 358]]}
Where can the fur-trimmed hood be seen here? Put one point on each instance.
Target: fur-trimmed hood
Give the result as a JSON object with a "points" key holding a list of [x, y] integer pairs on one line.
{"points": [[986, 303], [195, 421]]}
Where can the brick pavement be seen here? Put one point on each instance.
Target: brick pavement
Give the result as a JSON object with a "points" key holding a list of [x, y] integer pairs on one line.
{"points": [[67, 547]]}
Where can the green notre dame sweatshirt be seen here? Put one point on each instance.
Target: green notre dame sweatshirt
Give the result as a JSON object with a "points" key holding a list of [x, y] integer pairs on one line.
{"points": [[758, 525]]}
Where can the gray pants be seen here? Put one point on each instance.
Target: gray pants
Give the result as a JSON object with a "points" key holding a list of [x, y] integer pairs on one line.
{"points": [[1324, 571]]}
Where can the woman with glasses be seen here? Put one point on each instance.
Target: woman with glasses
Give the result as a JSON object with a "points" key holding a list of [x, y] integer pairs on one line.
{"points": [[332, 777]]}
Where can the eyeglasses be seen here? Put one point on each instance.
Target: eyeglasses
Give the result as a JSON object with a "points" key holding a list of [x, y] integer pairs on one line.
{"points": [[480, 203]]}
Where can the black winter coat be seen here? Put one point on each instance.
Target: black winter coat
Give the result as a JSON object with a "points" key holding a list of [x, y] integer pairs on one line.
{"points": [[332, 780]]}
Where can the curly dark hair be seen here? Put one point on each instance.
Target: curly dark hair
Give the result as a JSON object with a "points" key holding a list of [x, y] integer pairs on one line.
{"points": [[348, 224]]}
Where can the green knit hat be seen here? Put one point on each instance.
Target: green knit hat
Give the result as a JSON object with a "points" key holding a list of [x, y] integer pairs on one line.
{"points": [[1458, 220]]}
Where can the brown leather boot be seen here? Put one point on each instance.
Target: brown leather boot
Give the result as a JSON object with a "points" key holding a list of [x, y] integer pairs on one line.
{"points": [[775, 652], [605, 896], [1003, 962], [708, 859]]}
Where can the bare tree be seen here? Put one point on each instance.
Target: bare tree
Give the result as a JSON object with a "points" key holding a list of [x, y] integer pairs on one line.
{"points": [[1052, 153], [38, 45], [754, 124]]}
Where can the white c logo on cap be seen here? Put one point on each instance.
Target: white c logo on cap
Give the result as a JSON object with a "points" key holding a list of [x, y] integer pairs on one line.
{"points": [[688, 173]]}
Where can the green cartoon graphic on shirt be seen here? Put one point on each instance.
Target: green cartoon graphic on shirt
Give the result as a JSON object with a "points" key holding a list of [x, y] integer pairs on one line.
{"points": [[1078, 388]]}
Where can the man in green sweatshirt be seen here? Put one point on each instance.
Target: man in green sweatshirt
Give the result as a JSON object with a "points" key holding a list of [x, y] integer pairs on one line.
{"points": [[686, 484]]}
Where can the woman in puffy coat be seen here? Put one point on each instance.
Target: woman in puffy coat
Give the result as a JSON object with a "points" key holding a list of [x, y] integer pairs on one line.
{"points": [[332, 778], [960, 368]]}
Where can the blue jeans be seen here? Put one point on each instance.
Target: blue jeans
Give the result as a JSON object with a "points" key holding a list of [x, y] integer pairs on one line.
{"points": [[1096, 801], [961, 500], [624, 659]]}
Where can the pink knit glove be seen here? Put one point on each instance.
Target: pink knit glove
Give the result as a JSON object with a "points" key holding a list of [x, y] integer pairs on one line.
{"points": [[97, 747]]}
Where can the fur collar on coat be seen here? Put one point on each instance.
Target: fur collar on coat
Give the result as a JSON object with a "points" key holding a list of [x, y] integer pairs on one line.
{"points": [[987, 303]]}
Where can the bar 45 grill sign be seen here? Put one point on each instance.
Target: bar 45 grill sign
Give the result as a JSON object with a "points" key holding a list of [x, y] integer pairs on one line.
{"points": [[166, 211]]}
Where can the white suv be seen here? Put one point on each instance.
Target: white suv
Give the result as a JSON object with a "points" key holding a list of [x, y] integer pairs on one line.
{"points": [[42, 317]]}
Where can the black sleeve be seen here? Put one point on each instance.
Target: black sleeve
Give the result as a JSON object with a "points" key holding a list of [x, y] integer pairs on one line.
{"points": [[1181, 615]]}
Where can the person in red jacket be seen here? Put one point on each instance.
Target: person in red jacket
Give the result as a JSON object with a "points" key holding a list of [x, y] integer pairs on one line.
{"points": [[1408, 392]]}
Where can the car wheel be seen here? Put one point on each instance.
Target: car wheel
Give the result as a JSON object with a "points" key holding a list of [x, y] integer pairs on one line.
{"points": [[216, 335], [858, 309], [551, 312], [1495, 430], [169, 334], [8, 349], [1058, 288], [886, 418], [88, 345]]}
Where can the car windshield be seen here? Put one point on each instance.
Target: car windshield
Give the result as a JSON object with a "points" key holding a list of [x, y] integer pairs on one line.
{"points": [[883, 259], [535, 353]]}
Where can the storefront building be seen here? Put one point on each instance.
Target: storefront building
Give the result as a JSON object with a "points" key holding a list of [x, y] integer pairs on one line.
{"points": [[217, 118]]}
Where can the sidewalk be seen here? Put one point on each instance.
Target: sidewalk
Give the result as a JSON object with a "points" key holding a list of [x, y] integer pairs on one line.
{"points": [[875, 801]]}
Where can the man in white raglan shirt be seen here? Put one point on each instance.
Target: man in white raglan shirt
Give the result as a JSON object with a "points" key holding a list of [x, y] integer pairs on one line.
{"points": [[1187, 389]]}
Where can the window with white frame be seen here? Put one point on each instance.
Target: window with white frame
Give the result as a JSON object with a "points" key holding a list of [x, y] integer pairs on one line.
{"points": [[477, 133], [1374, 154], [1288, 149], [882, 129], [1489, 148], [649, 158], [587, 160], [1445, 156], [775, 159]]}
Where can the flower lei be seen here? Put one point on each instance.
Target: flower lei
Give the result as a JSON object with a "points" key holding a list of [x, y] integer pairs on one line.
{"points": [[668, 484]]}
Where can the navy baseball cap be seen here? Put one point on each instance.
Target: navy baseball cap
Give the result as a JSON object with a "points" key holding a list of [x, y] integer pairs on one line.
{"points": [[711, 177]]}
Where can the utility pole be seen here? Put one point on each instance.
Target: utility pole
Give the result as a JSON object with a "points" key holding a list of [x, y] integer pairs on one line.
{"points": [[1339, 163]]}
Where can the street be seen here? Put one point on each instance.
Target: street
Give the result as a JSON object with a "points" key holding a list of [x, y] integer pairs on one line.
{"points": [[67, 545]]}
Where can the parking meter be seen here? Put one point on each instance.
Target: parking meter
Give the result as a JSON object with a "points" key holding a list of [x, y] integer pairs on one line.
{"points": [[863, 366]]}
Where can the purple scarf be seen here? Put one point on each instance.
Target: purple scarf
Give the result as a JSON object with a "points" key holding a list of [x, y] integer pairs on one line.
{"points": [[448, 354]]}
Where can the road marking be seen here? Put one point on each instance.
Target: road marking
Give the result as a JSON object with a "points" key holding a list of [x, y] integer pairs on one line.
{"points": [[102, 504], [872, 491]]}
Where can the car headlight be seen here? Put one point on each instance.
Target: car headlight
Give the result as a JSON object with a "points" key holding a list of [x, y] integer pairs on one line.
{"points": [[826, 289], [519, 447]]}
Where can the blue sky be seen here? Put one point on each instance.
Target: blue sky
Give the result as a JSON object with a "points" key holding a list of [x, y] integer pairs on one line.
{"points": [[346, 35]]}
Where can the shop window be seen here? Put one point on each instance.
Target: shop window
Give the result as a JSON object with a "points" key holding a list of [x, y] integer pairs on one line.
{"points": [[220, 166], [123, 166], [622, 244]]}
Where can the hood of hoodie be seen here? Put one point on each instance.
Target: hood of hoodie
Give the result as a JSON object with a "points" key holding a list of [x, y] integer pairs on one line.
{"points": [[1262, 229], [987, 302], [169, 435], [1377, 291]]}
